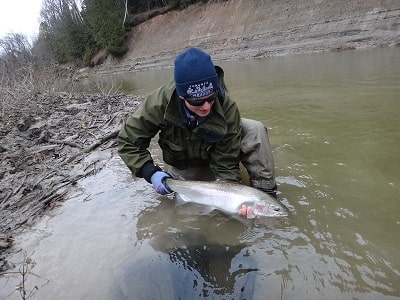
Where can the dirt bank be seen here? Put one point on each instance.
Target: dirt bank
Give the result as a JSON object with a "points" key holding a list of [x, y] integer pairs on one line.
{"points": [[45, 153], [239, 29]]}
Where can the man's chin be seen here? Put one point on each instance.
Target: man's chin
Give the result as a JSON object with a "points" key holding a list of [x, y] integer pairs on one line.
{"points": [[203, 114]]}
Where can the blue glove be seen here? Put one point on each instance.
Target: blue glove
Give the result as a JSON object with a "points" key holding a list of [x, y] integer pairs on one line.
{"points": [[157, 179]]}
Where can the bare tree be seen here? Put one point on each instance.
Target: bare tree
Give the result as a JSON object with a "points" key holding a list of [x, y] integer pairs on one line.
{"points": [[16, 47], [22, 77]]}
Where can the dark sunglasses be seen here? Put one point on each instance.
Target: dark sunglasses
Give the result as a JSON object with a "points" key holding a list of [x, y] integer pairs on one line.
{"points": [[200, 102]]}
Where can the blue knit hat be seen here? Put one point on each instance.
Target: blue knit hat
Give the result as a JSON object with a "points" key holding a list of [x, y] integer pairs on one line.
{"points": [[195, 74]]}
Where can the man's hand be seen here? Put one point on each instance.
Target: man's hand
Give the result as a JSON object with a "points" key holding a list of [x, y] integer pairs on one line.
{"points": [[157, 179]]}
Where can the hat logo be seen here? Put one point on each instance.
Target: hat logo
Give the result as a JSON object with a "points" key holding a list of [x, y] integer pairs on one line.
{"points": [[200, 89]]}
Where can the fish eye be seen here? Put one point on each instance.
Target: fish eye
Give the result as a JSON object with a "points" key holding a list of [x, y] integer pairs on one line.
{"points": [[276, 208]]}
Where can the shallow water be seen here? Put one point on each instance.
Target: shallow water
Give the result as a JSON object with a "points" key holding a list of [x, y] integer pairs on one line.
{"points": [[335, 130]]}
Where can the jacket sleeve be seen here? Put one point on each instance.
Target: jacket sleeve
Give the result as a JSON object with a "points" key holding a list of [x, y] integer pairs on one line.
{"points": [[225, 156], [138, 130]]}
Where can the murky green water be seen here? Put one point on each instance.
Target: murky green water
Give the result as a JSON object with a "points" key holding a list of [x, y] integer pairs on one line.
{"points": [[335, 129]]}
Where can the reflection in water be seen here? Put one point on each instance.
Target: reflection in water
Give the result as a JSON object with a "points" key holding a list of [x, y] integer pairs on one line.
{"points": [[213, 263], [201, 255]]}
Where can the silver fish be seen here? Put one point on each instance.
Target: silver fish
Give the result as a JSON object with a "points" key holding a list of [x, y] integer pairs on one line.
{"points": [[228, 197]]}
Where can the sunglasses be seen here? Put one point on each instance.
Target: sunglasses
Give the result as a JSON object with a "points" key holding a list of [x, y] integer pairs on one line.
{"points": [[200, 102]]}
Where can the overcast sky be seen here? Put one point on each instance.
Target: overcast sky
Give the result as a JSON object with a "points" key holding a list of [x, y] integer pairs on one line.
{"points": [[19, 16]]}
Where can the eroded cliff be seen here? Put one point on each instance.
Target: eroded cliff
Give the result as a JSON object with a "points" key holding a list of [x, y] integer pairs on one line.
{"points": [[237, 29]]}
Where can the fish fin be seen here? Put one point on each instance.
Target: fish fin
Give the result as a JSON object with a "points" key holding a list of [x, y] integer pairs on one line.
{"points": [[181, 199]]}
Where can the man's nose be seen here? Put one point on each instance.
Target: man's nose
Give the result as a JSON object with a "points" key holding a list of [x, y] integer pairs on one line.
{"points": [[207, 104]]}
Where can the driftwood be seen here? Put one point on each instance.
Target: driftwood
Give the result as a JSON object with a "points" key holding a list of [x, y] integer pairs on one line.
{"points": [[41, 162], [65, 142], [93, 146]]}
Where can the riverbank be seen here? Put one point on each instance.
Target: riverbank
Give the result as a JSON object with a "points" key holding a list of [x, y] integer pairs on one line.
{"points": [[231, 30], [46, 153]]}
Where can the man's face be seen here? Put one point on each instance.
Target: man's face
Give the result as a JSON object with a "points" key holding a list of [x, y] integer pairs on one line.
{"points": [[200, 106]]}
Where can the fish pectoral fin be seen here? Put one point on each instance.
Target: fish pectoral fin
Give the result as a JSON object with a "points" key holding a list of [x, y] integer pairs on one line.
{"points": [[181, 199]]}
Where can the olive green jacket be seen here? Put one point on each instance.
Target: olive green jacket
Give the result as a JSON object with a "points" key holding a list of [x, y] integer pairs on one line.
{"points": [[214, 142]]}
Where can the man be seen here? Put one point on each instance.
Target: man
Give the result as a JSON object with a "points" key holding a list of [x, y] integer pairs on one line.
{"points": [[200, 129]]}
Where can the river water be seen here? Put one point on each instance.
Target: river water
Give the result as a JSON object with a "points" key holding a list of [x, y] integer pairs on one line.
{"points": [[334, 126]]}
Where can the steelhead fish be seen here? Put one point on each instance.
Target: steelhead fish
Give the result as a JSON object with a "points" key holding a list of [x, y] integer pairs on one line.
{"points": [[228, 197]]}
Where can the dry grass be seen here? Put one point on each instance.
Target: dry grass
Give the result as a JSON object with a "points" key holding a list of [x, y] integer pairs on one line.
{"points": [[22, 87]]}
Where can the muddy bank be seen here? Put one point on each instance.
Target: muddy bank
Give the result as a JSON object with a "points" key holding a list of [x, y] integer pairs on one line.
{"points": [[238, 29], [44, 154]]}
